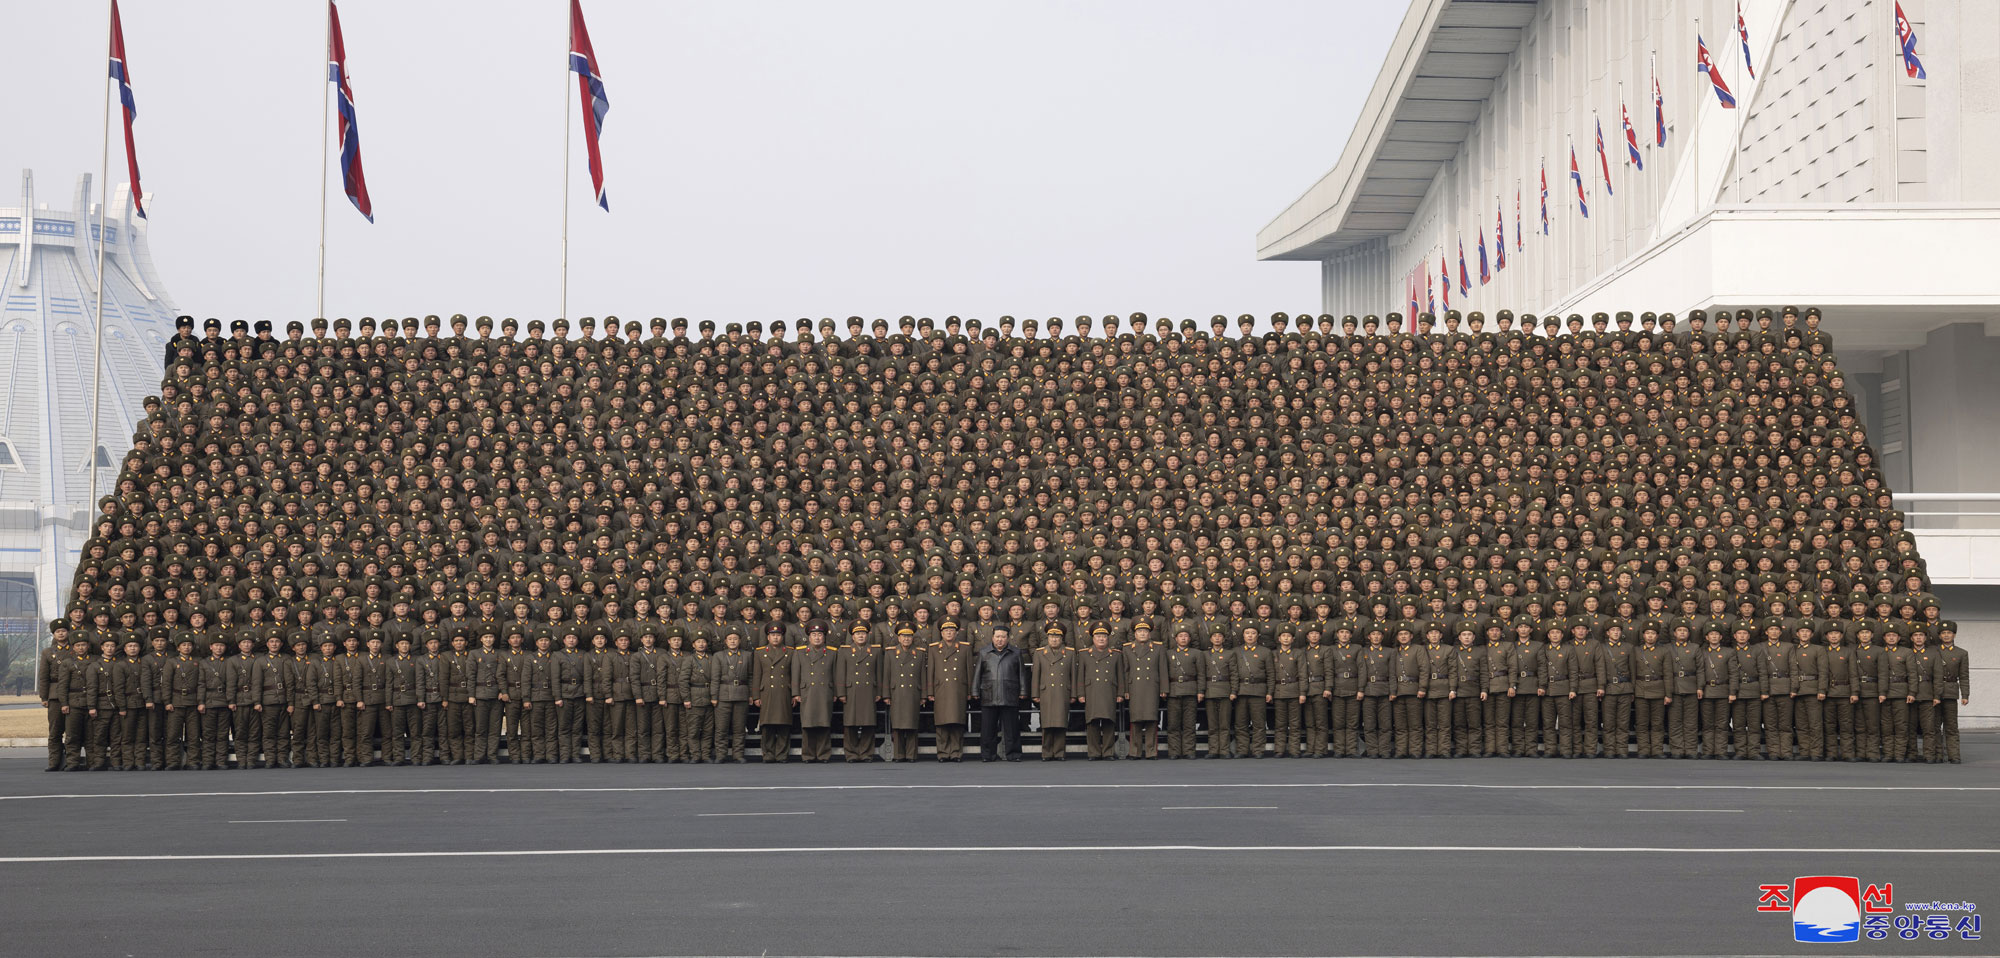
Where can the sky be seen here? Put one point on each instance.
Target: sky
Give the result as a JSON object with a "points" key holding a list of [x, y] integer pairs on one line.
{"points": [[765, 160]]}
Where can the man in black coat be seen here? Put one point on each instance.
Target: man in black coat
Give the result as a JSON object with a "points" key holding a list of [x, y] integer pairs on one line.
{"points": [[999, 684]]}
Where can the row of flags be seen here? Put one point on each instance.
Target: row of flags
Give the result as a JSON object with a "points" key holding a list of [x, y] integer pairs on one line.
{"points": [[582, 62], [1906, 41]]}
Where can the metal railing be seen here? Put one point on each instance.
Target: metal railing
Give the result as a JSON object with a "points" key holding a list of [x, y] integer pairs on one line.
{"points": [[1977, 510]]}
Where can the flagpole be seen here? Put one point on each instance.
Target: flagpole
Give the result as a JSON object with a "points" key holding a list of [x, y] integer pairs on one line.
{"points": [[97, 343], [563, 311], [1695, 138], [1742, 107], [326, 48]]}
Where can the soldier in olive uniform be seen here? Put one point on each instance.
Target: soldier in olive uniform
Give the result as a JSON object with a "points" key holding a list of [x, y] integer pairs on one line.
{"points": [[180, 694], [1777, 685], [1145, 680], [1219, 692], [487, 669], [697, 703], [214, 707], [902, 688], [402, 726], [813, 666], [1187, 679], [1526, 655], [1437, 687], [1653, 692], [1867, 695], [599, 675], [947, 674], [1406, 695], [1467, 696], [1923, 682], [1615, 664], [730, 674], [1954, 688], [771, 689], [1315, 661], [1053, 672], [1809, 695], [538, 708], [1100, 685], [858, 679], [1252, 693], [1899, 696], [1716, 691], [1497, 705], [1684, 709], [572, 675], [1746, 711], [1378, 678]]}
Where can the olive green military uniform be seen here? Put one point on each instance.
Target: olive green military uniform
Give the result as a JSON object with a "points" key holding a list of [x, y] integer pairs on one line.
{"points": [[1684, 711], [1778, 708], [813, 677], [1100, 683], [1251, 685], [902, 685], [730, 675], [697, 706], [1808, 691], [1187, 680], [947, 672], [771, 689], [859, 679], [1219, 693], [1053, 671], [1145, 681], [1716, 692], [1954, 687], [1652, 685]]}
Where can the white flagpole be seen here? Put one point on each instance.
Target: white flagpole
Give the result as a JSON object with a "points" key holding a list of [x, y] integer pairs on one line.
{"points": [[1742, 107], [563, 311], [1694, 140], [326, 59], [97, 342]]}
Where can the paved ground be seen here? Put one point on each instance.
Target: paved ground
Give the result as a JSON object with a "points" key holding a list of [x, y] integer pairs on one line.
{"points": [[1127, 858]]}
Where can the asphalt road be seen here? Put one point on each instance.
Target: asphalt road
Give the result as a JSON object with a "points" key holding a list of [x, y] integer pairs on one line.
{"points": [[1239, 857]]}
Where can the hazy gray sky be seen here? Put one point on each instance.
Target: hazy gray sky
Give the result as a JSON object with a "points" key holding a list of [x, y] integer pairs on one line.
{"points": [[764, 160]]}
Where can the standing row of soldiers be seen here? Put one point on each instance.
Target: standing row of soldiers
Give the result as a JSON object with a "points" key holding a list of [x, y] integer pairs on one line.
{"points": [[1816, 697]]}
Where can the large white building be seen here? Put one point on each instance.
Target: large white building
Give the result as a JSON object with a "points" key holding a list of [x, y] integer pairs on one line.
{"points": [[1840, 181], [48, 299]]}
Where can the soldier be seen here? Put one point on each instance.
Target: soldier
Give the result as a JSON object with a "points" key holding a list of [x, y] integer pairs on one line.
{"points": [[246, 731], [813, 666], [1746, 711], [487, 710], [1467, 696], [572, 673], [1809, 695], [1437, 688], [132, 680], [157, 659], [729, 675], [1716, 691], [857, 678], [1345, 695], [902, 686], [1145, 669], [621, 717], [651, 705], [1186, 675], [214, 707], [371, 696], [1219, 691], [947, 686], [1923, 684], [269, 690], [670, 710], [1777, 684], [537, 690], [1615, 665], [1525, 691], [1684, 709], [1838, 678], [1316, 660], [1100, 687], [180, 694], [1377, 675], [1558, 692], [1252, 694], [1653, 692], [1867, 695], [1052, 671], [102, 695], [599, 675], [298, 701], [1587, 682], [406, 693], [771, 688], [697, 692], [1898, 696], [51, 683], [460, 725], [1406, 697]]}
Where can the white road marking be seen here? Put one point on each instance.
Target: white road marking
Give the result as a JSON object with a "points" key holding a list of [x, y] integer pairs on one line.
{"points": [[282, 821], [994, 849], [1691, 810], [1198, 808], [579, 790], [747, 814]]}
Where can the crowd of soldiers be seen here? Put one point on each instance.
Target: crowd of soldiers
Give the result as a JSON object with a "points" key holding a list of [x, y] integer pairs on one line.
{"points": [[1625, 535]]}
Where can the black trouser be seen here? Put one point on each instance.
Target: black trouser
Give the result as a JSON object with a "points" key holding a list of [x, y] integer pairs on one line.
{"points": [[731, 720], [1181, 710], [999, 732]]}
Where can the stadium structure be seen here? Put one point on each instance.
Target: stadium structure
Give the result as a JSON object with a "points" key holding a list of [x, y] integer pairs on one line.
{"points": [[1841, 181], [47, 332]]}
